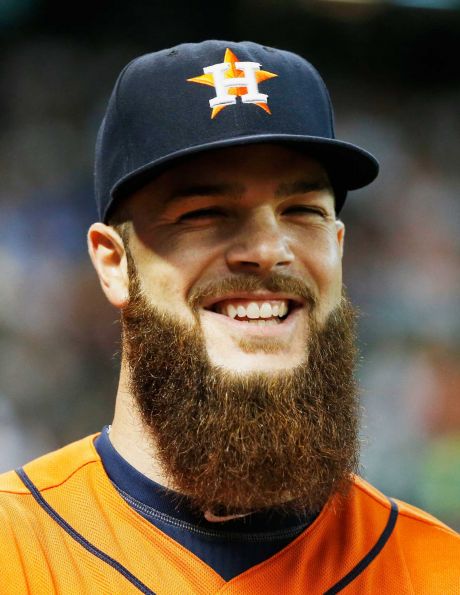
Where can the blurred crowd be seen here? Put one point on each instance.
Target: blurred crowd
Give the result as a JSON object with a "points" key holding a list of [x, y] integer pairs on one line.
{"points": [[59, 339]]}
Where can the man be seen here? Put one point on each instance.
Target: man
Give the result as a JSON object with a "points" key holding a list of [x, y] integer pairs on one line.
{"points": [[230, 465]]}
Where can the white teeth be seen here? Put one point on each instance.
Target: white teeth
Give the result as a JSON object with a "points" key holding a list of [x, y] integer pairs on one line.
{"points": [[262, 322], [252, 311], [241, 311], [231, 311], [255, 310], [266, 310]]}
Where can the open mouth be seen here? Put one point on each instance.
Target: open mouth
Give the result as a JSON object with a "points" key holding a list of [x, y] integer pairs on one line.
{"points": [[260, 312]]}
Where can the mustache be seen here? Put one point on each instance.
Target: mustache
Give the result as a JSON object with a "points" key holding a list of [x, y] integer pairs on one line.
{"points": [[274, 282]]}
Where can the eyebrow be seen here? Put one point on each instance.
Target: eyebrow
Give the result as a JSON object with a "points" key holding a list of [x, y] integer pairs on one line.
{"points": [[283, 190], [204, 190], [300, 187]]}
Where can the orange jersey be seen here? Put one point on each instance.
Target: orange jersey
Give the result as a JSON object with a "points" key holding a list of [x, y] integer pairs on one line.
{"points": [[65, 529]]}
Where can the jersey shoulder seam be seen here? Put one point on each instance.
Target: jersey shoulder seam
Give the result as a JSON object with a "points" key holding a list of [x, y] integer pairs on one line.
{"points": [[26, 492], [54, 484], [430, 522], [402, 510]]}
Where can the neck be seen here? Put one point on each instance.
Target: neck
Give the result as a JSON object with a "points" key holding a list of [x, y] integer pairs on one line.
{"points": [[129, 437]]}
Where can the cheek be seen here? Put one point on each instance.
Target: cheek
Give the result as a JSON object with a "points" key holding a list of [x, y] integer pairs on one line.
{"points": [[328, 275], [192, 262], [165, 286], [168, 280], [323, 260]]}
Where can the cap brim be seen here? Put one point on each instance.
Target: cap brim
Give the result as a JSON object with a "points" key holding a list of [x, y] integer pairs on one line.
{"points": [[349, 166]]}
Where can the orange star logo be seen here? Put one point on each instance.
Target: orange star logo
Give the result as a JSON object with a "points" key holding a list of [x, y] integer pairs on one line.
{"points": [[233, 79]]}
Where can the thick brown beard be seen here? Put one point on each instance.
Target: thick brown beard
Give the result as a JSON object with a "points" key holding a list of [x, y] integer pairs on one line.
{"points": [[236, 443]]}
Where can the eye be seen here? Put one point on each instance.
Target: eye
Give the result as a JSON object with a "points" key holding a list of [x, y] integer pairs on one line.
{"points": [[201, 214], [305, 210]]}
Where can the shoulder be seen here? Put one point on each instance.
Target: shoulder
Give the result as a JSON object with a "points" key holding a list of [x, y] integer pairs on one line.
{"points": [[48, 471], [413, 539], [409, 517], [29, 536], [48, 475]]}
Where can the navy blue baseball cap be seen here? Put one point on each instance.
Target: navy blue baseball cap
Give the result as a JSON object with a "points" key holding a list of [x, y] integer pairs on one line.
{"points": [[198, 97]]}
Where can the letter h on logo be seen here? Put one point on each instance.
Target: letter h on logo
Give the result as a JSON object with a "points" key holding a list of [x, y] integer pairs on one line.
{"points": [[222, 83]]}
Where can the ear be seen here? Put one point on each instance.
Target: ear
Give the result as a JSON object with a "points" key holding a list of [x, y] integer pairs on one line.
{"points": [[108, 256], [340, 231]]}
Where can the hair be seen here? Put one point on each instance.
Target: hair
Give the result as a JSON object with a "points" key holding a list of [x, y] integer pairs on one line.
{"points": [[119, 218]]}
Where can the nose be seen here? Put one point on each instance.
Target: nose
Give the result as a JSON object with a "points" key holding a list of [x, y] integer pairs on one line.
{"points": [[260, 245]]}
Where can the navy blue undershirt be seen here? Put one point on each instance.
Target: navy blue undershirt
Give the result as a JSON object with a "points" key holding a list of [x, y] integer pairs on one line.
{"points": [[229, 547]]}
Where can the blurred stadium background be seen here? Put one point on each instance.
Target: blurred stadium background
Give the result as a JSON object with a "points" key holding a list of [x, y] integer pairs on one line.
{"points": [[393, 72]]}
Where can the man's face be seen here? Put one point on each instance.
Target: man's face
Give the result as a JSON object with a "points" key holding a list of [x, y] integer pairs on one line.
{"points": [[242, 416], [213, 231]]}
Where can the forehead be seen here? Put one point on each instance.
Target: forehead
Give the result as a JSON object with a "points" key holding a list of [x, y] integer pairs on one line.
{"points": [[264, 165]]}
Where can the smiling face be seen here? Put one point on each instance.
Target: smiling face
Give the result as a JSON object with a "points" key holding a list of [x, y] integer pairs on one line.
{"points": [[238, 344], [244, 242]]}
